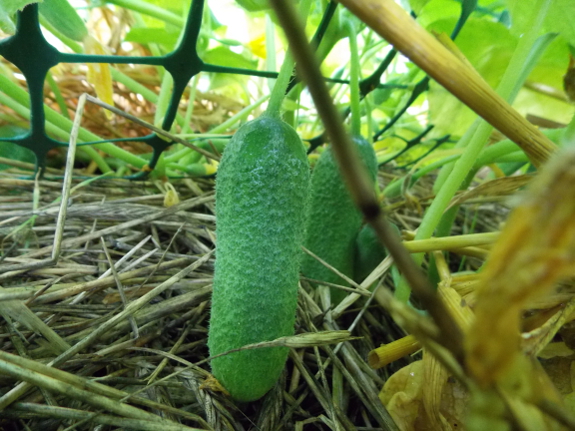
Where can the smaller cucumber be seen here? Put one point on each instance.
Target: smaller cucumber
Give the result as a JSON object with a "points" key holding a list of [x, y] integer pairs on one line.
{"points": [[333, 219], [369, 252]]}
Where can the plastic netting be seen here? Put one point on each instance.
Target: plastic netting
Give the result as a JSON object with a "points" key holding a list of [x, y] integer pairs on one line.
{"points": [[29, 50], [34, 56]]}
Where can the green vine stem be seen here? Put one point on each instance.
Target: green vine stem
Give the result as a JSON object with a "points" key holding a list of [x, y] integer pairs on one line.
{"points": [[150, 10], [270, 49], [354, 79], [58, 95], [279, 91]]}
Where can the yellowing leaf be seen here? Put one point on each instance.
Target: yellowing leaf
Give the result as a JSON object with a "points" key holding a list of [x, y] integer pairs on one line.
{"points": [[498, 187], [99, 74], [535, 250], [258, 46], [422, 397], [171, 197], [401, 395], [210, 168]]}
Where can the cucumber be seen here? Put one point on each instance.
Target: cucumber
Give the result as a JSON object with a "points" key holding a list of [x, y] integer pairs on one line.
{"points": [[261, 194], [333, 220]]}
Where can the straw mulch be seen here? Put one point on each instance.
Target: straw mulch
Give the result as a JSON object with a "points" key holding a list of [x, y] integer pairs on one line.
{"points": [[122, 316]]}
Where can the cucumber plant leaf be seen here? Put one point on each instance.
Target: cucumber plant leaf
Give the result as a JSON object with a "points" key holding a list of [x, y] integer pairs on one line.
{"points": [[145, 35], [7, 10], [11, 150], [488, 46], [223, 56], [558, 19]]}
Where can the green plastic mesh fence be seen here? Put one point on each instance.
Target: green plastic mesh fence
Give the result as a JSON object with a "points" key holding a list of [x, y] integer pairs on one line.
{"points": [[34, 56]]}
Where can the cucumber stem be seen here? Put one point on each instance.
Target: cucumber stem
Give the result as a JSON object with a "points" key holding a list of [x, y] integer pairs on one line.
{"points": [[286, 71], [278, 92]]}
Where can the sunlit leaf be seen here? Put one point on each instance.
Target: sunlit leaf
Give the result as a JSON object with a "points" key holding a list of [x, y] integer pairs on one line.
{"points": [[438, 10], [7, 9], [559, 17], [258, 46], [152, 35], [223, 56], [488, 46], [417, 5], [254, 5], [11, 150], [99, 74]]}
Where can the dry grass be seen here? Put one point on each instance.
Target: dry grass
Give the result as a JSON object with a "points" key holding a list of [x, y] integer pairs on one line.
{"points": [[112, 334], [126, 309]]}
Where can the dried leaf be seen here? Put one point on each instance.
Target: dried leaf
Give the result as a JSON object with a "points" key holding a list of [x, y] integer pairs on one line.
{"points": [[535, 250], [499, 187], [18, 311], [414, 391]]}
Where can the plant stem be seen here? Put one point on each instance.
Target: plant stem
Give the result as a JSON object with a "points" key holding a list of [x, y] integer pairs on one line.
{"points": [[286, 72], [58, 95], [190, 109], [150, 10], [354, 77], [270, 49]]}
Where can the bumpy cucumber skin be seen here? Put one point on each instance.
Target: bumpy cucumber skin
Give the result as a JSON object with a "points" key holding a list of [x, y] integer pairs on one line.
{"points": [[261, 196], [333, 220], [369, 251]]}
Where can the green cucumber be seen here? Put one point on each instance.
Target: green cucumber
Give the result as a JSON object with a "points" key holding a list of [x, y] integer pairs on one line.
{"points": [[333, 221], [261, 194]]}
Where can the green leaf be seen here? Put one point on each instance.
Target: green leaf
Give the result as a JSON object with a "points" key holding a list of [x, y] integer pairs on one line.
{"points": [[435, 10], [223, 56], [254, 5], [12, 151], [520, 12], [417, 5], [7, 10], [62, 16], [552, 65], [559, 17], [549, 71], [152, 35], [488, 46], [531, 102]]}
